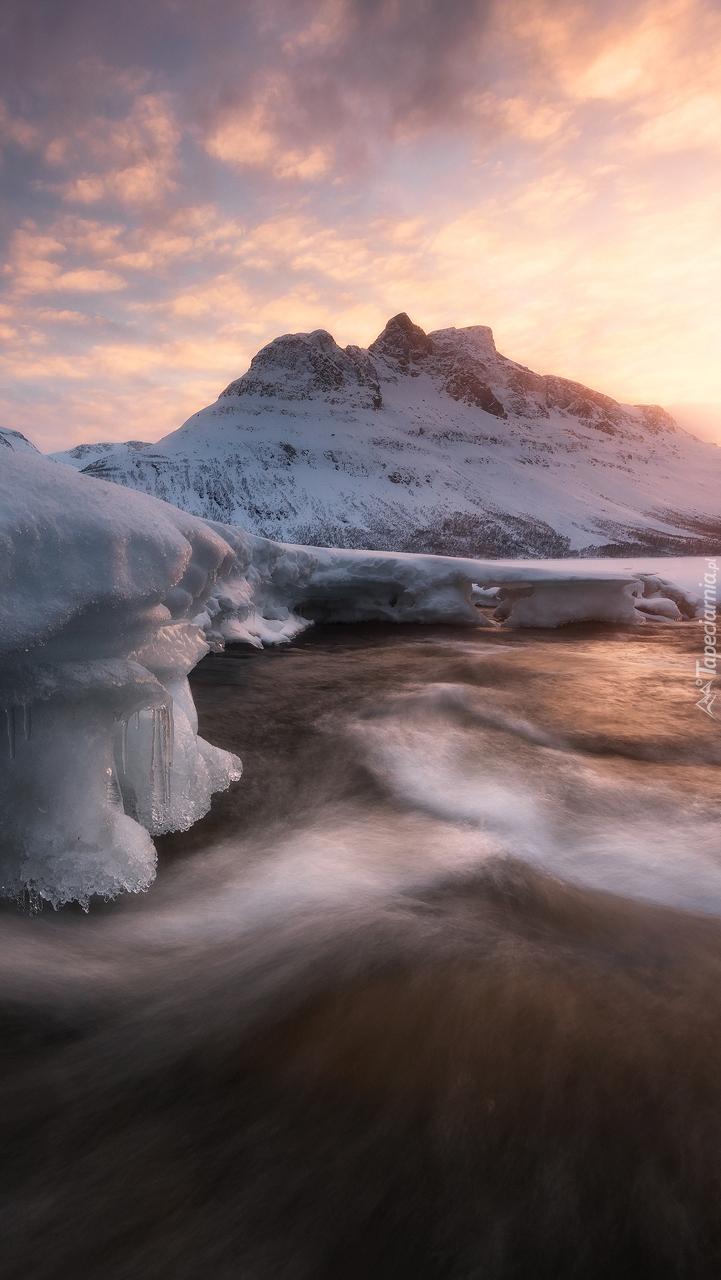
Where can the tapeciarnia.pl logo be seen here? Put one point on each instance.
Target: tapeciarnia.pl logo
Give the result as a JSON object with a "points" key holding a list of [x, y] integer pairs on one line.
{"points": [[706, 670]]}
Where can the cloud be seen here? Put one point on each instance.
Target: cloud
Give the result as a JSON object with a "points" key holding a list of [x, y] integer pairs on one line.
{"points": [[86, 281], [134, 159], [186, 180], [34, 267], [15, 130], [62, 317], [287, 85], [658, 65], [250, 138]]}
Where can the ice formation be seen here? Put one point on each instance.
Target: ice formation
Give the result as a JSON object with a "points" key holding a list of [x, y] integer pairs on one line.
{"points": [[98, 584], [276, 590], [111, 596]]}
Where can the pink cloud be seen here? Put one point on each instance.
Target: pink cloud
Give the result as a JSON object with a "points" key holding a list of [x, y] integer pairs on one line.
{"points": [[548, 168]]}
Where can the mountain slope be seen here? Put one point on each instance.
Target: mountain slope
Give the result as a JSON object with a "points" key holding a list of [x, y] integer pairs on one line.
{"points": [[16, 442], [428, 442]]}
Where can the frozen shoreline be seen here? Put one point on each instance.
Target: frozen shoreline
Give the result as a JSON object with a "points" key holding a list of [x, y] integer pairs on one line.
{"points": [[110, 597]]}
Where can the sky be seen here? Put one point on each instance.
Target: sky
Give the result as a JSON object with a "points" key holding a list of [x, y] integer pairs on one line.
{"points": [[183, 180]]}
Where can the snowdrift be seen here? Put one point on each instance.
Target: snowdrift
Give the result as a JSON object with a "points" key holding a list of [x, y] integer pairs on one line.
{"points": [[109, 597]]}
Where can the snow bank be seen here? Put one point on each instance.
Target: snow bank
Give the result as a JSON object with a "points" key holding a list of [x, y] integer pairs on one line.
{"points": [[97, 585], [275, 590]]}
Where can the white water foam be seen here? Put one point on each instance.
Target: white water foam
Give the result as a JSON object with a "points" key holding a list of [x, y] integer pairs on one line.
{"points": [[454, 753]]}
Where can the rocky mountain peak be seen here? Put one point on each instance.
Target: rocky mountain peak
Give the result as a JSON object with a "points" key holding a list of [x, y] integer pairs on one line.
{"points": [[305, 366], [294, 450], [462, 363], [467, 364], [475, 341], [402, 344]]}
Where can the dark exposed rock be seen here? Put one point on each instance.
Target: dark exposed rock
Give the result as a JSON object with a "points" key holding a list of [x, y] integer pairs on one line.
{"points": [[300, 366], [486, 535], [16, 441], [455, 357], [592, 407], [402, 344], [656, 419], [464, 360], [82, 450], [463, 384]]}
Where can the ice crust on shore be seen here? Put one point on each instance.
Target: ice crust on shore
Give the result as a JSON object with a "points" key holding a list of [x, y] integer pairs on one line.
{"points": [[109, 597], [275, 590]]}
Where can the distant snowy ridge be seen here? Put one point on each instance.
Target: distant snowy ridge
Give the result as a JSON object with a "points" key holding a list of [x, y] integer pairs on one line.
{"points": [[428, 443], [16, 442], [108, 598]]}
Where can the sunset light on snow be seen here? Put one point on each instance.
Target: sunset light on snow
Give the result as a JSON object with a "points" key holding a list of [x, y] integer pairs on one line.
{"points": [[360, 533], [183, 182]]}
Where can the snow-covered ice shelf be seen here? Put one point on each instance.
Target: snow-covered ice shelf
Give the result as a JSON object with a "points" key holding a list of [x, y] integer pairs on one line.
{"points": [[275, 590]]}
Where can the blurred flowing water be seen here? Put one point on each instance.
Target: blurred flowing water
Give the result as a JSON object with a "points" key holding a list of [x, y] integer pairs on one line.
{"points": [[433, 993]]}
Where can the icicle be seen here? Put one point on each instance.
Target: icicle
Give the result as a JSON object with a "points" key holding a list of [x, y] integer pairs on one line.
{"points": [[10, 715], [137, 719], [154, 714], [166, 743], [124, 744], [27, 723], [112, 788], [32, 902], [161, 753], [171, 743]]}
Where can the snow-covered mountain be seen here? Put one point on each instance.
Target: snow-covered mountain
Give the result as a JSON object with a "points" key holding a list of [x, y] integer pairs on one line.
{"points": [[16, 441], [428, 442]]}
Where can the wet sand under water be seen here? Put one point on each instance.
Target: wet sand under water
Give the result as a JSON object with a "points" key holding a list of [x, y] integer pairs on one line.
{"points": [[433, 993]]}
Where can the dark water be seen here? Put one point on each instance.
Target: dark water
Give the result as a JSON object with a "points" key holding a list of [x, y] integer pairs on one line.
{"points": [[434, 993]]}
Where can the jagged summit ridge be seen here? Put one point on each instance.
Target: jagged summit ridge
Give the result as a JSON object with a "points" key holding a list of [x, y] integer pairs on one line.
{"points": [[463, 363], [428, 442], [299, 366], [403, 345], [303, 366]]}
